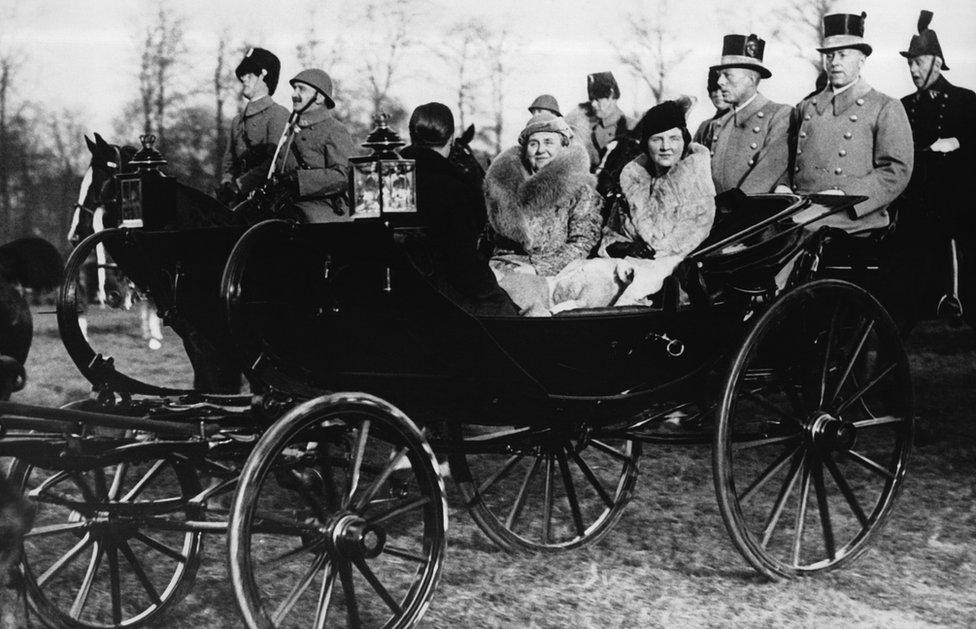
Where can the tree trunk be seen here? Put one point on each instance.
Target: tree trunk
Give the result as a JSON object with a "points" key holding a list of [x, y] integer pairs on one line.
{"points": [[5, 210]]}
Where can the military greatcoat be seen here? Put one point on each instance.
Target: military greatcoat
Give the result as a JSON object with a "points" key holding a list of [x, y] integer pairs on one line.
{"points": [[320, 152], [253, 135], [749, 147], [858, 142]]}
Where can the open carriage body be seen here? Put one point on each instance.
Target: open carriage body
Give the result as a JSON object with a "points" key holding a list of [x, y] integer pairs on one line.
{"points": [[338, 510]]}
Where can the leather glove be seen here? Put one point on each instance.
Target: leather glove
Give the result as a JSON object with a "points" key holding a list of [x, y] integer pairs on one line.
{"points": [[227, 193], [284, 182], [634, 249]]}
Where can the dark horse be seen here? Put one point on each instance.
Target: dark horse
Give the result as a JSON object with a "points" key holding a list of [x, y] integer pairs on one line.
{"points": [[26, 263]]}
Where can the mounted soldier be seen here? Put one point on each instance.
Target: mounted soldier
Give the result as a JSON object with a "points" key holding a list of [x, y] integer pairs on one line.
{"points": [[254, 131], [939, 218]]}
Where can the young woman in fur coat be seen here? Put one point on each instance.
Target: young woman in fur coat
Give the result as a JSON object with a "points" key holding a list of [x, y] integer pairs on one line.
{"points": [[542, 204]]}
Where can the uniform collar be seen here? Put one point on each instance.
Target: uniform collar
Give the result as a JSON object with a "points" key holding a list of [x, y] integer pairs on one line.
{"points": [[844, 100], [940, 85], [314, 116], [741, 115], [257, 105]]}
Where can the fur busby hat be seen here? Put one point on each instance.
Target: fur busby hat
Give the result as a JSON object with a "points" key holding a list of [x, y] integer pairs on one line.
{"points": [[319, 80], [844, 30], [712, 80], [743, 51], [258, 59], [926, 42], [670, 114], [545, 121], [602, 85], [547, 102]]}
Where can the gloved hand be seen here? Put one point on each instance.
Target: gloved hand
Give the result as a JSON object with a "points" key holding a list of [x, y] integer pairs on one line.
{"points": [[633, 249], [284, 182], [227, 193]]}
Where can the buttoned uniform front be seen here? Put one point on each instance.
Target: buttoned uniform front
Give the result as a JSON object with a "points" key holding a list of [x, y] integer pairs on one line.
{"points": [[749, 147], [858, 142], [254, 132], [320, 152]]}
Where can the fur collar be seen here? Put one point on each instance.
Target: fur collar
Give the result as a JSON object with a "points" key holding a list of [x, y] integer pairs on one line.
{"points": [[636, 182], [511, 189]]}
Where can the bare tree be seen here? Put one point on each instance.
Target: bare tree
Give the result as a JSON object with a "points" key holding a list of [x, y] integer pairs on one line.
{"points": [[393, 24], [462, 51], [499, 48], [223, 86], [162, 50], [799, 25], [7, 69], [653, 49]]}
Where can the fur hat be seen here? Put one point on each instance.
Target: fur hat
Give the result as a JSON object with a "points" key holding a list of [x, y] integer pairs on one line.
{"points": [[258, 59], [844, 30], [712, 80], [668, 115], [926, 42], [545, 121], [547, 102], [602, 85]]}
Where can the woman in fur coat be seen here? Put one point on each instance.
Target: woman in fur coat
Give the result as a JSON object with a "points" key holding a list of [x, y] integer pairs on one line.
{"points": [[543, 207]]}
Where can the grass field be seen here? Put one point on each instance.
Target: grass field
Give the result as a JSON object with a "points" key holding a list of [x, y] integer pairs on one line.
{"points": [[669, 561]]}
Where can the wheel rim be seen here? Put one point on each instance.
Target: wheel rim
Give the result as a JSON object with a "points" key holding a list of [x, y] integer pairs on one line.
{"points": [[815, 430], [100, 553], [340, 519], [541, 490]]}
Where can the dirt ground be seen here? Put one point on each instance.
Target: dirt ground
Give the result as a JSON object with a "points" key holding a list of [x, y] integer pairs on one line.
{"points": [[669, 561]]}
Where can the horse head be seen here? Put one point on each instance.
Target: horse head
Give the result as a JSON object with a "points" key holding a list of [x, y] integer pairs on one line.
{"points": [[98, 185], [464, 158]]}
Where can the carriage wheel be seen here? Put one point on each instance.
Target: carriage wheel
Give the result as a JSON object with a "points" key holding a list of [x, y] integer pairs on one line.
{"points": [[339, 518], [119, 330], [103, 551], [814, 430], [541, 489]]}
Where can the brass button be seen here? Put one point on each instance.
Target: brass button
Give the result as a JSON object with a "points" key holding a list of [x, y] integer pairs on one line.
{"points": [[753, 145], [859, 101], [751, 162], [796, 169], [806, 117], [799, 151], [842, 152], [838, 171], [803, 134], [848, 135], [760, 115], [756, 129], [713, 153], [853, 117]]}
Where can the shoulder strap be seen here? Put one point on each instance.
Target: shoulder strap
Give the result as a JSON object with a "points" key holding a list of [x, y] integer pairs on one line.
{"points": [[298, 157]]}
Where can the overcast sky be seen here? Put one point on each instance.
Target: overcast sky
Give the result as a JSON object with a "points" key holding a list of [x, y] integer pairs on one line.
{"points": [[82, 54]]}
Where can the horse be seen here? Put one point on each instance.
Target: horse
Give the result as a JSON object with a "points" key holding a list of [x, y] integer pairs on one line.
{"points": [[26, 263]]}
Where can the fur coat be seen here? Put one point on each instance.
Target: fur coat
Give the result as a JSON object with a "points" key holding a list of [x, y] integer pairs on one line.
{"points": [[673, 213], [551, 217]]}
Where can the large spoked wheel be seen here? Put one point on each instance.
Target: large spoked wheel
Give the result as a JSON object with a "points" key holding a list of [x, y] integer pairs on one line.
{"points": [[339, 519], [106, 549], [814, 430], [120, 330], [543, 490]]}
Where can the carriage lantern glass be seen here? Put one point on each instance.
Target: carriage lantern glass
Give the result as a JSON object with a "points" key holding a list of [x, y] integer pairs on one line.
{"points": [[146, 194], [383, 183]]}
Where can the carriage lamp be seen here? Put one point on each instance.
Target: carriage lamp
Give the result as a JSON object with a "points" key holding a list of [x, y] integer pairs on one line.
{"points": [[147, 195], [383, 183]]}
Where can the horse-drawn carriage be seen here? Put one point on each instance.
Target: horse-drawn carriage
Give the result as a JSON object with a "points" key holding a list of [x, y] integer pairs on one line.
{"points": [[324, 478]]}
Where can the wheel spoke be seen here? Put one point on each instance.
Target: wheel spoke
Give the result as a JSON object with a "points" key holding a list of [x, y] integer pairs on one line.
{"points": [[571, 492], [357, 462], [827, 351], [364, 499], [115, 586], [801, 515], [143, 482], [82, 597], [867, 387], [404, 506], [884, 420], [846, 490], [349, 591], [403, 553], [516, 511], [769, 406], [768, 473], [120, 471], [274, 563], [140, 572], [784, 494], [65, 559], [870, 464], [160, 547], [501, 473], [765, 441], [325, 597], [591, 477], [547, 502], [623, 458], [866, 332], [824, 508], [296, 592], [378, 587], [47, 484], [55, 529]]}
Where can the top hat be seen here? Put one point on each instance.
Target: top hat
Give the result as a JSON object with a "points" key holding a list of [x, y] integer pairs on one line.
{"points": [[926, 42], [844, 30], [319, 80], [601, 85], [258, 59], [547, 102], [742, 51]]}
